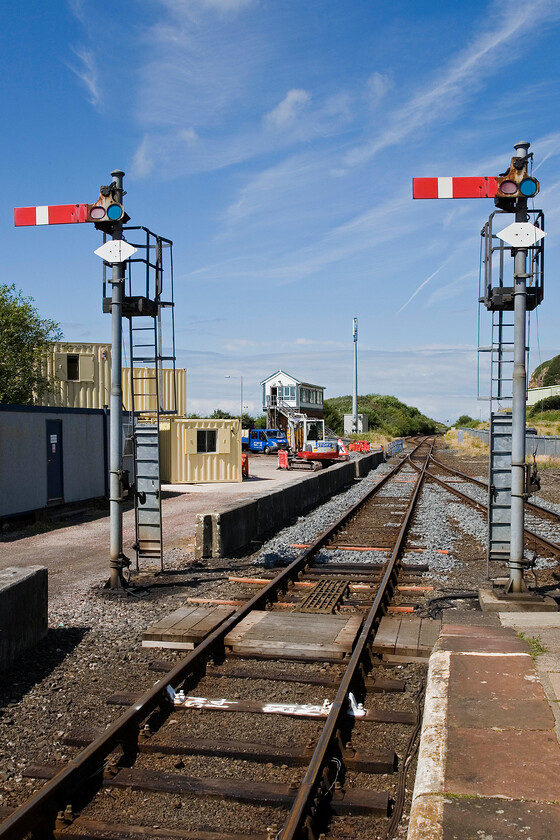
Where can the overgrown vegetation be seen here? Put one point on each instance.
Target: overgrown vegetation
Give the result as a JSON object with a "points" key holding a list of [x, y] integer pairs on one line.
{"points": [[547, 404], [24, 337], [465, 420], [536, 647], [546, 374], [386, 416], [470, 445]]}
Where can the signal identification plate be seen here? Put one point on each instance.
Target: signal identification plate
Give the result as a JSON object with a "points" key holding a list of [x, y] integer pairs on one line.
{"points": [[115, 251], [521, 234]]}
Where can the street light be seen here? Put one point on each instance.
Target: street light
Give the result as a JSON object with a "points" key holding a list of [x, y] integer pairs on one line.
{"points": [[241, 399]]}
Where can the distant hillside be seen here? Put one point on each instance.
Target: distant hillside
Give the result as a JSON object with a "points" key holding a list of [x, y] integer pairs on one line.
{"points": [[385, 414], [548, 373]]}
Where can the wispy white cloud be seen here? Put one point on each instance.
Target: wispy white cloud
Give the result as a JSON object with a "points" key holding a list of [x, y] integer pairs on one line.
{"points": [[312, 342], [499, 43], [365, 232], [87, 72], [287, 111], [377, 87], [420, 287], [452, 289]]}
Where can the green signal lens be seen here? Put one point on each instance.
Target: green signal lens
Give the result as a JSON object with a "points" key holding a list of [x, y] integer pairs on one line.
{"points": [[115, 212], [528, 187]]}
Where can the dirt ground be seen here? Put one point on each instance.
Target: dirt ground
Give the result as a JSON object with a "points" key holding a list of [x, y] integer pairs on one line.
{"points": [[74, 546]]}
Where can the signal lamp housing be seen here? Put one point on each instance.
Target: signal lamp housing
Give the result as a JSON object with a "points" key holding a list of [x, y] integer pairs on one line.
{"points": [[515, 185], [106, 210]]}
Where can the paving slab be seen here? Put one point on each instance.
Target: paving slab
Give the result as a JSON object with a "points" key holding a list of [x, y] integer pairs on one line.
{"points": [[489, 753]]}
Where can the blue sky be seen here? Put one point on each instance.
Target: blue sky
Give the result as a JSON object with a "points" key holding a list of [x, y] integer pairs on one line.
{"points": [[274, 141]]}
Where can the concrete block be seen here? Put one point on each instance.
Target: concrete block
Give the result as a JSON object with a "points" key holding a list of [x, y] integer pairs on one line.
{"points": [[495, 600], [365, 463], [203, 536], [23, 610]]}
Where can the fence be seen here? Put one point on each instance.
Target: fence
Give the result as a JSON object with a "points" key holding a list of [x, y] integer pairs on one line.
{"points": [[394, 447], [534, 444]]}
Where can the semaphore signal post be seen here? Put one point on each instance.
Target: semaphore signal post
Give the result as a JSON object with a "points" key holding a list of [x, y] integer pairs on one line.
{"points": [[109, 216], [511, 191]]}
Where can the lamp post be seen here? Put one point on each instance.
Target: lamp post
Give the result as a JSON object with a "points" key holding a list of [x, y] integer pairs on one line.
{"points": [[241, 398]]}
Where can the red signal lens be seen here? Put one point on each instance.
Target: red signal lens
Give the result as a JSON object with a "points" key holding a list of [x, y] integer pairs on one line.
{"points": [[508, 187], [97, 212]]}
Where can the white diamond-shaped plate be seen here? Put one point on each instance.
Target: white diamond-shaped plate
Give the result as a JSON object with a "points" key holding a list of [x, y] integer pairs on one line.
{"points": [[115, 251], [521, 234]]}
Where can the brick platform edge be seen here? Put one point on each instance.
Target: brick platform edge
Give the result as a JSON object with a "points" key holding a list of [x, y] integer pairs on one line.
{"points": [[489, 758], [220, 533]]}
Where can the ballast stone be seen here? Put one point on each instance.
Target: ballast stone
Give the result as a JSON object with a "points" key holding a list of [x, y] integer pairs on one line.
{"points": [[23, 610]]}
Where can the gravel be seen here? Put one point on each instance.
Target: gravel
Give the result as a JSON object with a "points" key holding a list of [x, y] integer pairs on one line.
{"points": [[93, 645]]}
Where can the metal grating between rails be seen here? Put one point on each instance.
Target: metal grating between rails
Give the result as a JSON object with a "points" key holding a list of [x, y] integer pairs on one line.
{"points": [[39, 814]]}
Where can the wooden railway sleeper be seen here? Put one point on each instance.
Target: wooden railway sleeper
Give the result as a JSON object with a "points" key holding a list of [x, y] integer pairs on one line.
{"points": [[38, 814]]}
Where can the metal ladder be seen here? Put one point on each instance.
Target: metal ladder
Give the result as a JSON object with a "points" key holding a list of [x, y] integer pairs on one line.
{"points": [[145, 380], [147, 385], [499, 488]]}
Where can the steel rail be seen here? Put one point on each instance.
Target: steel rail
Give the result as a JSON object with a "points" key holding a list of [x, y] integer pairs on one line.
{"points": [[56, 794], [311, 792], [533, 505], [553, 548]]}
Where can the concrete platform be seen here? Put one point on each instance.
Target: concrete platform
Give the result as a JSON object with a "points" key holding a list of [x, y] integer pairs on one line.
{"points": [[489, 752], [220, 533], [78, 550]]}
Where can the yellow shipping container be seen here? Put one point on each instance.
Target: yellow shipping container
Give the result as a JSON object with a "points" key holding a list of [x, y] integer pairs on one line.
{"points": [[174, 397], [200, 451], [82, 373]]}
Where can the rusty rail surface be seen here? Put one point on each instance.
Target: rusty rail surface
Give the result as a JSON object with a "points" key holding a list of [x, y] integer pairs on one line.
{"points": [[38, 814], [484, 484], [317, 782], [547, 545]]}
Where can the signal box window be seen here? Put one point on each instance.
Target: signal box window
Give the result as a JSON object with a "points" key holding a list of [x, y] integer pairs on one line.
{"points": [[206, 440], [73, 368]]}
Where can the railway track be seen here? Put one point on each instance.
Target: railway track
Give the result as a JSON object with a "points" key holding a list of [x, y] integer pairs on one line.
{"points": [[186, 758], [285, 733], [534, 540]]}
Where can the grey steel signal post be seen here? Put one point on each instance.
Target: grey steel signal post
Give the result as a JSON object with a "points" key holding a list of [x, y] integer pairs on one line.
{"points": [[510, 191], [518, 402], [118, 559]]}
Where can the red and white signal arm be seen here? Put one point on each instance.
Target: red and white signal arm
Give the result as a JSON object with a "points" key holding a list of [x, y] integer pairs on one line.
{"points": [[474, 187], [51, 214]]}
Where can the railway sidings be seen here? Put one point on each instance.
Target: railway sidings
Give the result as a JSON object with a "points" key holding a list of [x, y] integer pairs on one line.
{"points": [[297, 715]]}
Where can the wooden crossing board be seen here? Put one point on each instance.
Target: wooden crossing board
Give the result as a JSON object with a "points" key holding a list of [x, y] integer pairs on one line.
{"points": [[294, 635], [406, 638], [185, 628]]}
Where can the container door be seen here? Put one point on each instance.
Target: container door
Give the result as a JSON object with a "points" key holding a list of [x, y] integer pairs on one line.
{"points": [[55, 491]]}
